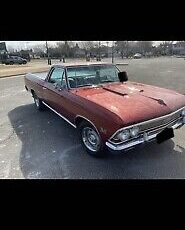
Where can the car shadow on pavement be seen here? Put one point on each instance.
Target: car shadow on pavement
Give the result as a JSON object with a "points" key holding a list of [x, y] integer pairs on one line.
{"points": [[44, 137], [51, 149]]}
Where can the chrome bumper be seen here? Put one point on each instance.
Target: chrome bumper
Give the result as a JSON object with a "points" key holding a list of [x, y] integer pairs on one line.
{"points": [[141, 139]]}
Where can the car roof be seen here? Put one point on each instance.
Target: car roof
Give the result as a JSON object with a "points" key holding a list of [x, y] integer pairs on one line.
{"points": [[73, 64]]}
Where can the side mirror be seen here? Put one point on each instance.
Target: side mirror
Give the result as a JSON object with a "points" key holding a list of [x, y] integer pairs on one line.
{"points": [[123, 76]]}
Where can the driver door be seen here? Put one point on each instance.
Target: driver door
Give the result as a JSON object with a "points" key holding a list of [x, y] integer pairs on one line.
{"points": [[54, 87]]}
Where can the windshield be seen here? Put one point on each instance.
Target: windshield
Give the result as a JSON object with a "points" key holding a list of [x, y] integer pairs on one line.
{"points": [[80, 76]]}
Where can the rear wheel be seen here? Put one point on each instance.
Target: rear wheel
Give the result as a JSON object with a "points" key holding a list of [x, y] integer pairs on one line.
{"points": [[38, 103], [91, 140]]}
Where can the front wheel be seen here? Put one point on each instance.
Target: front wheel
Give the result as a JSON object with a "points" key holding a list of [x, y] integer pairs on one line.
{"points": [[38, 103], [91, 140]]}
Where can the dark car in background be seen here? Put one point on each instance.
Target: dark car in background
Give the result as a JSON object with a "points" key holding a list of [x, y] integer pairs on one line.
{"points": [[14, 60]]}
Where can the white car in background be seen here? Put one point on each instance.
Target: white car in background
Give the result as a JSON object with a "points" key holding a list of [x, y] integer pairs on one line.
{"points": [[137, 56]]}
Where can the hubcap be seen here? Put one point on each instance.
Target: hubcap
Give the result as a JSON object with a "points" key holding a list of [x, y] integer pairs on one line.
{"points": [[91, 139]]}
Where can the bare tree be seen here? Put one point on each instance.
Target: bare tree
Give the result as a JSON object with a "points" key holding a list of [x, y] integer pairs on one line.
{"points": [[144, 46], [71, 44], [166, 47], [65, 48], [128, 48], [181, 43], [60, 48], [88, 46], [122, 47], [39, 48]]}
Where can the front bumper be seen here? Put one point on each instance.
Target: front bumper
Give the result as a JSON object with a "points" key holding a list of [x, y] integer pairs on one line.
{"points": [[142, 138]]}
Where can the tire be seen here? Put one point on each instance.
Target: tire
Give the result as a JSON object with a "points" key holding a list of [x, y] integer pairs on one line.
{"points": [[38, 103], [11, 63], [94, 150]]}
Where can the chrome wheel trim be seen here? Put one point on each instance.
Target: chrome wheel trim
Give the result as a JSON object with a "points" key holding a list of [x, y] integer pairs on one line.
{"points": [[91, 139]]}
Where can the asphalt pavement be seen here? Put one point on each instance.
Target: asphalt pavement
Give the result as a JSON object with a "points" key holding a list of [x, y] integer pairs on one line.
{"points": [[37, 144]]}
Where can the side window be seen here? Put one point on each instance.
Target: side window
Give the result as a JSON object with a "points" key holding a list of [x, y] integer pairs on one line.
{"points": [[58, 76]]}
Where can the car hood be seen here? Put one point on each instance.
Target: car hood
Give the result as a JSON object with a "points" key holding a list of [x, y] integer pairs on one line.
{"points": [[134, 102]]}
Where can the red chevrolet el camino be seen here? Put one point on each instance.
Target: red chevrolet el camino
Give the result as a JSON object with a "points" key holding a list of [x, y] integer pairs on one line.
{"points": [[108, 110]]}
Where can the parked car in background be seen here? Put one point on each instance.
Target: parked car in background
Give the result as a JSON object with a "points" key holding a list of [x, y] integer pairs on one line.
{"points": [[137, 56], [107, 110], [180, 56], [37, 57], [14, 60]]}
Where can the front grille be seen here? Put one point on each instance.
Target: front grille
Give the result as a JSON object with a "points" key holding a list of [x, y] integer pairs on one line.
{"points": [[160, 128], [151, 126], [159, 122]]}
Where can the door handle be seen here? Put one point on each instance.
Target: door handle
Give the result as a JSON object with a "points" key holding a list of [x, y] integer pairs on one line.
{"points": [[44, 87]]}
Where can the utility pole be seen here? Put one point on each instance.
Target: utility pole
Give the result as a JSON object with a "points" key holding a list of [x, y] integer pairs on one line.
{"points": [[47, 50], [99, 51], [126, 48], [107, 49], [112, 51]]}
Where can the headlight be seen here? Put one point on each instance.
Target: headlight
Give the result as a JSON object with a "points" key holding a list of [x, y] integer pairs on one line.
{"points": [[124, 135], [134, 131], [183, 113]]}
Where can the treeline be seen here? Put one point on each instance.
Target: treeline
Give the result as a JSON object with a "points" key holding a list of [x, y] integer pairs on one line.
{"points": [[77, 50], [99, 49], [147, 48], [117, 48], [92, 49]]}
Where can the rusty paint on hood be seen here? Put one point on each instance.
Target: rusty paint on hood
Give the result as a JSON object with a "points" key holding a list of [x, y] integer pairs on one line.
{"points": [[134, 102]]}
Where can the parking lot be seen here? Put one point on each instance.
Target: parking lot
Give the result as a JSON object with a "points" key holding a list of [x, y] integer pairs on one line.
{"points": [[37, 144]]}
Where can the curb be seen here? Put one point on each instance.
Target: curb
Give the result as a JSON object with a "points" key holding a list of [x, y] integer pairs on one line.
{"points": [[11, 75], [19, 74]]}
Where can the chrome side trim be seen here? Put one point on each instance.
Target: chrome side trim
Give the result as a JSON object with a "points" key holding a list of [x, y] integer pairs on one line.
{"points": [[148, 121], [59, 115]]}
